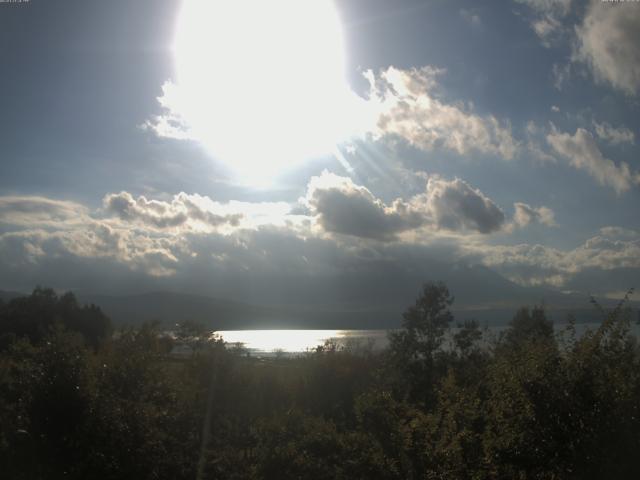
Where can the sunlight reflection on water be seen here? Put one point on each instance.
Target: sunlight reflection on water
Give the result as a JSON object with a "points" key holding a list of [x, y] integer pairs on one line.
{"points": [[267, 342], [295, 341]]}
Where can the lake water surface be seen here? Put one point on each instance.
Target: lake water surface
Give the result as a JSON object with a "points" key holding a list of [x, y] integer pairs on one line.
{"points": [[269, 342], [298, 341]]}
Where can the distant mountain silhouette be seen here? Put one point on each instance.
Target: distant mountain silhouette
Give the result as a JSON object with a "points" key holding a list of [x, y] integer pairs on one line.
{"points": [[350, 301], [219, 314], [171, 308]]}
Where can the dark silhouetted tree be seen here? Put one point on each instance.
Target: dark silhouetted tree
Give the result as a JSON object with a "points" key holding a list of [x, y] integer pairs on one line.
{"points": [[414, 349], [529, 326], [36, 315]]}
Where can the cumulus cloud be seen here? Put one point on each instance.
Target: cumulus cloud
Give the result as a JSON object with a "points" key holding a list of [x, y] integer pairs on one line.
{"points": [[90, 240], [193, 211], [547, 18], [608, 42], [103, 251], [141, 235], [409, 109], [343, 207], [340, 206], [525, 215], [613, 135], [455, 205], [69, 245], [583, 153], [182, 209]]}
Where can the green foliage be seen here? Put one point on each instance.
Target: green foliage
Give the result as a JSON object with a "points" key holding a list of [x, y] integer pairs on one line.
{"points": [[439, 404], [455, 430], [415, 350], [36, 315], [529, 326], [468, 338], [424, 324]]}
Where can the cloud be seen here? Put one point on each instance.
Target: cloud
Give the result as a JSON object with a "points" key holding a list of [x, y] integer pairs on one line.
{"points": [[99, 251], [340, 206], [23, 210], [136, 250], [182, 209], [188, 212], [162, 238], [407, 108], [547, 19], [455, 205], [535, 135], [608, 42], [615, 136], [612, 249], [140, 235], [526, 264], [525, 215], [471, 17], [96, 250], [400, 104], [172, 122], [583, 153], [560, 75], [546, 28], [268, 264]]}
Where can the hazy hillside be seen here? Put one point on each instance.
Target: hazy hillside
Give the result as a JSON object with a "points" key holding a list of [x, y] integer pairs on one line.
{"points": [[227, 315], [221, 314]]}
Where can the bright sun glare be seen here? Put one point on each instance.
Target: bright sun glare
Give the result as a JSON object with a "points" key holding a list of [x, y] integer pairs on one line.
{"points": [[262, 83]]}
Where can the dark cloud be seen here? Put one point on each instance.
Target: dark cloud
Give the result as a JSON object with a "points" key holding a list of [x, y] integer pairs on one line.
{"points": [[455, 205], [346, 208], [293, 263], [342, 207]]}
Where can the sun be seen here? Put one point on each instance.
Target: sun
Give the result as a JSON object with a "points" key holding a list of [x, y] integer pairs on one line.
{"points": [[262, 84]]}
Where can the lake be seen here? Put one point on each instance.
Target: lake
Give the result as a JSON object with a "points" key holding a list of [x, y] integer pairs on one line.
{"points": [[270, 342], [266, 342]]}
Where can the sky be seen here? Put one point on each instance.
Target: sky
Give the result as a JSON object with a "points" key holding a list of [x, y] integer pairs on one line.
{"points": [[321, 153]]}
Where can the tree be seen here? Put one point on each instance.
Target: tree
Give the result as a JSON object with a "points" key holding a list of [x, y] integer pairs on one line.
{"points": [[36, 315], [529, 326], [467, 337], [415, 347], [424, 323]]}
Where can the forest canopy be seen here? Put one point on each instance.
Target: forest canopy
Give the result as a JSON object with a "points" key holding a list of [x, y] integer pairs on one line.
{"points": [[80, 401]]}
